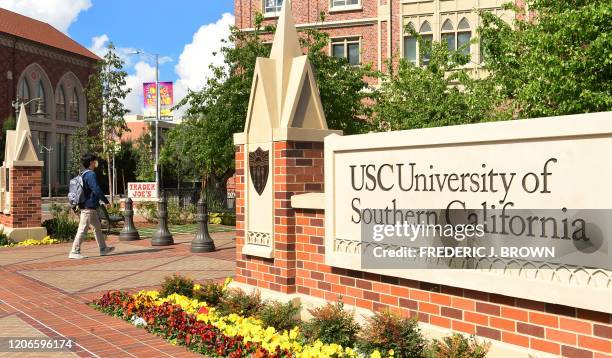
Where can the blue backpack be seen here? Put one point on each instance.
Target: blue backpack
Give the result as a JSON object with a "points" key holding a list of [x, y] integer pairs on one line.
{"points": [[76, 190]]}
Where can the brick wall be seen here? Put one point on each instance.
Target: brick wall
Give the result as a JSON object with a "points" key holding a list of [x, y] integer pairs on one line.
{"points": [[298, 168], [299, 266], [307, 12], [16, 61], [25, 197], [541, 326]]}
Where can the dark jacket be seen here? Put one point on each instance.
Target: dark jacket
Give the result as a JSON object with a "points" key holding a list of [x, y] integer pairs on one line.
{"points": [[91, 190]]}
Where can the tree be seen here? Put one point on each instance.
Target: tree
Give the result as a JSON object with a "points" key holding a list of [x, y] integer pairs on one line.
{"points": [[219, 110], [439, 94], [554, 60], [9, 124], [176, 154], [144, 153], [105, 94]]}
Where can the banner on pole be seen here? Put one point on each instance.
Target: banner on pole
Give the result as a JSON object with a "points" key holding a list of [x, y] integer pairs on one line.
{"points": [[166, 98]]}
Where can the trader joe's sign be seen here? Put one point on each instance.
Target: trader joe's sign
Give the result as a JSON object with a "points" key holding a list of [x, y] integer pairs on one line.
{"points": [[142, 191]]}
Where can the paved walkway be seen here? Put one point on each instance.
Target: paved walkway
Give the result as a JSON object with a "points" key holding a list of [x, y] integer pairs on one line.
{"points": [[43, 294]]}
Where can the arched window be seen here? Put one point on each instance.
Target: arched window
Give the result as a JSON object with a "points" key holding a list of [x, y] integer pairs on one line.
{"points": [[24, 93], [74, 106], [60, 104], [43, 96], [464, 35], [427, 37], [410, 45], [448, 35]]}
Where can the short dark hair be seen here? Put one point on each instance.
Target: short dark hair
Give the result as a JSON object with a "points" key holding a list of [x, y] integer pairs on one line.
{"points": [[86, 159]]}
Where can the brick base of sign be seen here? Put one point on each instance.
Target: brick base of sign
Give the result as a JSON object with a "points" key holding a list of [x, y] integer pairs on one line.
{"points": [[23, 220], [298, 267]]}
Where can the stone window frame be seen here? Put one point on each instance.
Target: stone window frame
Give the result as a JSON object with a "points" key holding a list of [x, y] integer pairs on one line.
{"points": [[276, 6], [345, 7], [75, 87], [456, 32], [345, 40], [41, 78]]}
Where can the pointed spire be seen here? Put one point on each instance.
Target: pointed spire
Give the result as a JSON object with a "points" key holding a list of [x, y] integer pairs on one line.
{"points": [[286, 43], [23, 126], [285, 48]]}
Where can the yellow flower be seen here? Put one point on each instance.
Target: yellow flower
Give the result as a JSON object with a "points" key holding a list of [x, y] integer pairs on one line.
{"points": [[375, 354], [197, 287]]}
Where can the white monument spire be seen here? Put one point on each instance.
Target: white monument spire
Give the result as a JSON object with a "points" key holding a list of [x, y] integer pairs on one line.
{"points": [[285, 48]]}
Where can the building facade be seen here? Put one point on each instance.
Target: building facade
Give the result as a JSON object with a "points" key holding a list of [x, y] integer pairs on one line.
{"points": [[373, 31], [38, 61]]}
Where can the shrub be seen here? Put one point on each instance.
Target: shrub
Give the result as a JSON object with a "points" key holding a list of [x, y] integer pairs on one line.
{"points": [[282, 316], [332, 324], [457, 346], [210, 292], [115, 209], [62, 226], [387, 331], [177, 284], [4, 239], [148, 209], [176, 214], [237, 301], [181, 216], [228, 219]]}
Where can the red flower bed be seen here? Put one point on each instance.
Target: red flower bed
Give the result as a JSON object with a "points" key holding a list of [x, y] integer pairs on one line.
{"points": [[171, 322]]}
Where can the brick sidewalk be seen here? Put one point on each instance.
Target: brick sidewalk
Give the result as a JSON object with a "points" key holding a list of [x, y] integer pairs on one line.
{"points": [[42, 293]]}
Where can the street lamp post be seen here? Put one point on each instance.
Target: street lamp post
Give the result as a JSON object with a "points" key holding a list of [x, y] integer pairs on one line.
{"points": [[49, 150], [17, 104], [157, 114]]}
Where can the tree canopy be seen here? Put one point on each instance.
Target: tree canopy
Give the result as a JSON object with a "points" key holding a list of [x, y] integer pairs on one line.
{"points": [[554, 60], [219, 110]]}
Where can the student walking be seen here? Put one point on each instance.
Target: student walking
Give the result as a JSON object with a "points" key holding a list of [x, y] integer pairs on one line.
{"points": [[92, 195]]}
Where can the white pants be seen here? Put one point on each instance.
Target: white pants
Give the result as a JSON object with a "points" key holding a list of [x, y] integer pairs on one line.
{"points": [[88, 217]]}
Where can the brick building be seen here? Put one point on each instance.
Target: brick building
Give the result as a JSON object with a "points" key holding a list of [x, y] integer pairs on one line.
{"points": [[372, 31], [39, 61]]}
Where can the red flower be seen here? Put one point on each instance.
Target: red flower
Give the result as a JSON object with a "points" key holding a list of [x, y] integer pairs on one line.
{"points": [[203, 310]]}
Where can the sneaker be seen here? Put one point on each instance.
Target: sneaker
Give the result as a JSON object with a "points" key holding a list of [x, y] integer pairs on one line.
{"points": [[76, 256], [107, 250]]}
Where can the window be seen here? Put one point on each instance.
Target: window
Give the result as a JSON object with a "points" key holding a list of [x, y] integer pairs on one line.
{"points": [[43, 97], [62, 159], [410, 46], [459, 40], [464, 35], [427, 38], [344, 3], [348, 48], [448, 35], [40, 140], [272, 7], [24, 93], [60, 104], [74, 106]]}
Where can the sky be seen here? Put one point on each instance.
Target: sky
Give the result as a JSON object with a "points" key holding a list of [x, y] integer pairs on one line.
{"points": [[185, 33]]}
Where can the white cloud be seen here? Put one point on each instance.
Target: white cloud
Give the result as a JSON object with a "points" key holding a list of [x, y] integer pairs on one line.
{"points": [[192, 69], [58, 13], [99, 46], [144, 72], [193, 66]]}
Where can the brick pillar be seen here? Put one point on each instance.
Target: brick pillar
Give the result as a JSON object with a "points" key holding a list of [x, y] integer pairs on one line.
{"points": [[23, 221], [25, 196], [298, 169]]}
